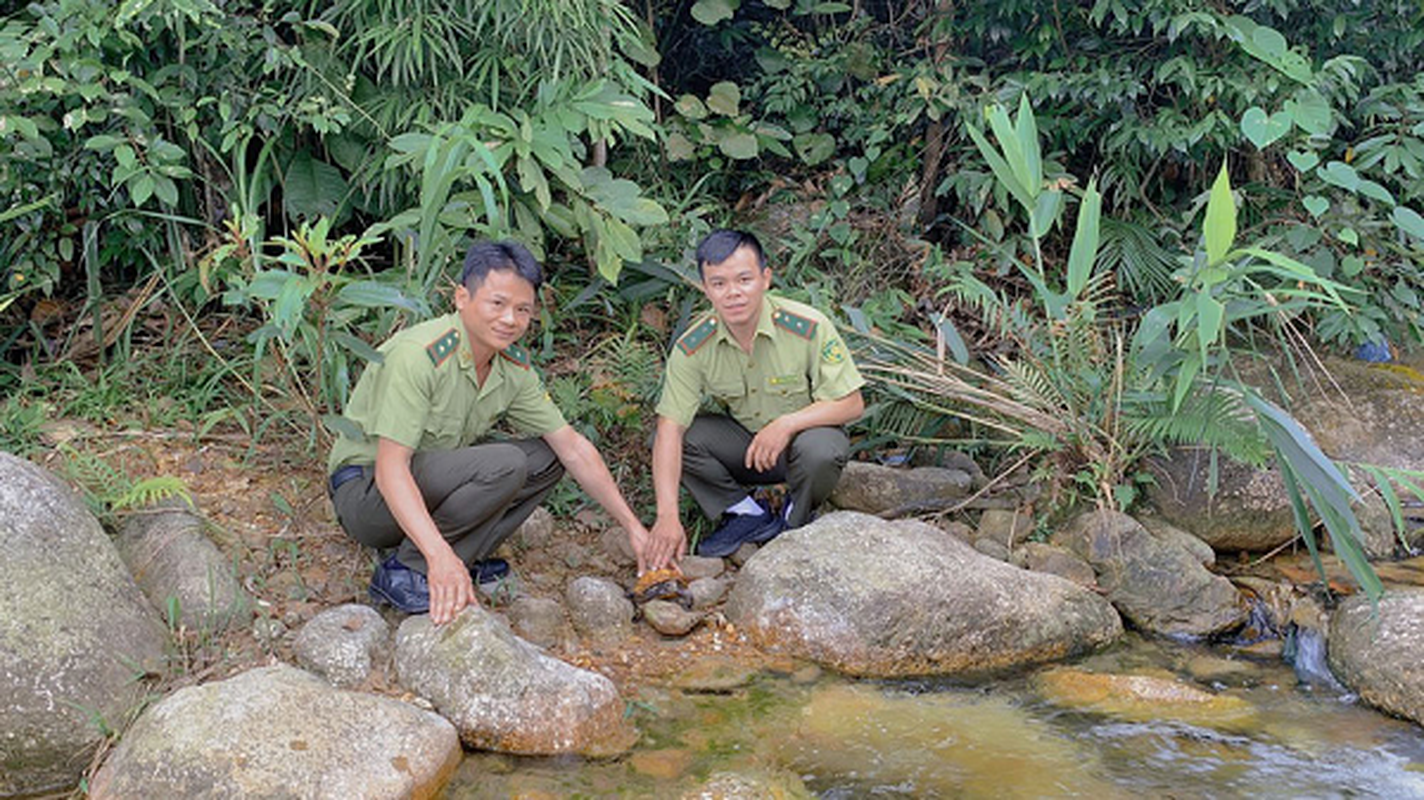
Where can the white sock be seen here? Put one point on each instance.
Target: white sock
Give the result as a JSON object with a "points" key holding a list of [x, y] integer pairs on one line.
{"points": [[786, 512], [747, 506]]}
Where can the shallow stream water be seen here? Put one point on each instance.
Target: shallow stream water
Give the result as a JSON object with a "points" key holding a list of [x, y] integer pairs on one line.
{"points": [[820, 735]]}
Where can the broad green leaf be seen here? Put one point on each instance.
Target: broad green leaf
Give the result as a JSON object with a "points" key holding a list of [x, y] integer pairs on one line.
{"points": [[313, 188], [724, 98], [1001, 169], [1409, 221], [950, 334], [1373, 190], [689, 106], [1045, 214], [357, 345], [711, 12], [141, 189], [1210, 312], [1349, 236], [1293, 270], [1262, 130], [1006, 134], [624, 240], [103, 142], [1316, 205], [1219, 228], [1310, 111], [166, 191], [678, 147], [813, 148], [1186, 376], [1027, 129], [739, 145], [372, 294], [1338, 173], [1085, 240], [1303, 161]]}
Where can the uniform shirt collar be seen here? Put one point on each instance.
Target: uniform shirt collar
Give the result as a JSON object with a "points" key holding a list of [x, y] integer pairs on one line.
{"points": [[467, 361], [765, 326]]}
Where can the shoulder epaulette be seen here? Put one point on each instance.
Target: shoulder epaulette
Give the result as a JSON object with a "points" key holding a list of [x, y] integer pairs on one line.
{"points": [[444, 347], [517, 355], [698, 336], [794, 323]]}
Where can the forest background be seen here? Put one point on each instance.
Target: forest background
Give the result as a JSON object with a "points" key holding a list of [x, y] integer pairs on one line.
{"points": [[1060, 232]]}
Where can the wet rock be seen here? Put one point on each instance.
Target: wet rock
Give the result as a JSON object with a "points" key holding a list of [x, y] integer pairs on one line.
{"points": [[342, 643], [539, 620], [873, 489], [599, 609], [1007, 527], [537, 530], [1379, 657], [992, 548], [1158, 587], [941, 744], [280, 732], [1250, 510], [180, 569], [670, 619], [708, 592], [74, 630], [1144, 698], [666, 764], [1214, 669], [695, 567], [502, 694], [747, 786], [1168, 533], [1041, 557], [890, 611], [713, 674]]}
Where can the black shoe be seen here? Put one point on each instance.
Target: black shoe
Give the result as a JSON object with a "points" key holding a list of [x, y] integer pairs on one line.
{"points": [[396, 584], [489, 570], [737, 529]]}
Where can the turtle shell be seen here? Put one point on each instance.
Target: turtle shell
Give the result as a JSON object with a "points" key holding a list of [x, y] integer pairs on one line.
{"points": [[660, 584]]}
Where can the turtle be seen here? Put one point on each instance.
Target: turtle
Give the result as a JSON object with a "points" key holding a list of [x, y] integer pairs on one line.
{"points": [[661, 584]]}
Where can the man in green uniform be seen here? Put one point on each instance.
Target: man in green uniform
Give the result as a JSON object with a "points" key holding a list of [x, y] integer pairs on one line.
{"points": [[787, 382], [410, 472]]}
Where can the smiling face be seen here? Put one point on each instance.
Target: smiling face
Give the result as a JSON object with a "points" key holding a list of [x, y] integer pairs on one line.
{"points": [[496, 313], [735, 286]]}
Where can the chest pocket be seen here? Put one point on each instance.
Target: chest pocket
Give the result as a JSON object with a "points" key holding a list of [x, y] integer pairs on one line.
{"points": [[728, 391], [788, 392]]}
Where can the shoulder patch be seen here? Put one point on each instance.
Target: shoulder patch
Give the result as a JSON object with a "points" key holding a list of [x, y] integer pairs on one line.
{"points": [[698, 336], [516, 354], [444, 347], [794, 323]]}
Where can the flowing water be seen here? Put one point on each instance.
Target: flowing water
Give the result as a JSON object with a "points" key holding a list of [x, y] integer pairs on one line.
{"points": [[825, 736]]}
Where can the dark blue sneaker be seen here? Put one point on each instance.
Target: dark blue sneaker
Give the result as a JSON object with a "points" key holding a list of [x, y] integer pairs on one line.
{"points": [[737, 529], [396, 584], [489, 570]]}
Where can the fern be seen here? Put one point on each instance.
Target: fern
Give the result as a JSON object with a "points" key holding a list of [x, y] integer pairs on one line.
{"points": [[151, 491], [1142, 266]]}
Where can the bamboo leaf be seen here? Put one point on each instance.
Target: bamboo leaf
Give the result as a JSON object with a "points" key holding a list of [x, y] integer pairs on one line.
{"points": [[1219, 228]]}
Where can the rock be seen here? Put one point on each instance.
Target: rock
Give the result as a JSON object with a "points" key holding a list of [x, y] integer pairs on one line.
{"points": [[713, 675], [180, 569], [1168, 533], [539, 620], [1007, 527], [695, 567], [1379, 658], [1217, 670], [1144, 698], [743, 553], [1158, 587], [666, 764], [600, 610], [502, 694], [1041, 557], [707, 592], [873, 489], [616, 546], [670, 619], [743, 786], [537, 530], [992, 548], [75, 631], [280, 732], [892, 610], [959, 530], [1250, 510], [341, 643]]}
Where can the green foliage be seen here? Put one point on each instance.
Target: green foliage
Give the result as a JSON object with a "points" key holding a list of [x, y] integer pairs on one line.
{"points": [[150, 491]]}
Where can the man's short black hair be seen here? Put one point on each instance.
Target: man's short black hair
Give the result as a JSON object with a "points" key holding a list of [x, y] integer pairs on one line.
{"points": [[720, 244], [485, 257]]}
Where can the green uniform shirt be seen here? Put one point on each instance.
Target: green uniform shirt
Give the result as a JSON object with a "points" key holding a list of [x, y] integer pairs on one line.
{"points": [[797, 358], [424, 395]]}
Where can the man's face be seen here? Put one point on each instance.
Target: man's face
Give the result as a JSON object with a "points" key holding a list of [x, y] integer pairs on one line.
{"points": [[498, 312], [736, 286]]}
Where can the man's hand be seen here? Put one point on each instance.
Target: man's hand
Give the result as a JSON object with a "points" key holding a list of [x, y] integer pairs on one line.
{"points": [[664, 545], [450, 588], [768, 445]]}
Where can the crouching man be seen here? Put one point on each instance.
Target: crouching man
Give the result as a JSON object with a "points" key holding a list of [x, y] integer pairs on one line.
{"points": [[787, 383], [422, 479]]}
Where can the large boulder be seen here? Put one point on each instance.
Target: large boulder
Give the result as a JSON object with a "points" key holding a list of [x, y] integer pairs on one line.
{"points": [[181, 570], [1248, 511], [600, 610], [1157, 585], [503, 694], [342, 644], [1382, 658], [75, 631], [874, 489], [280, 732], [886, 599]]}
